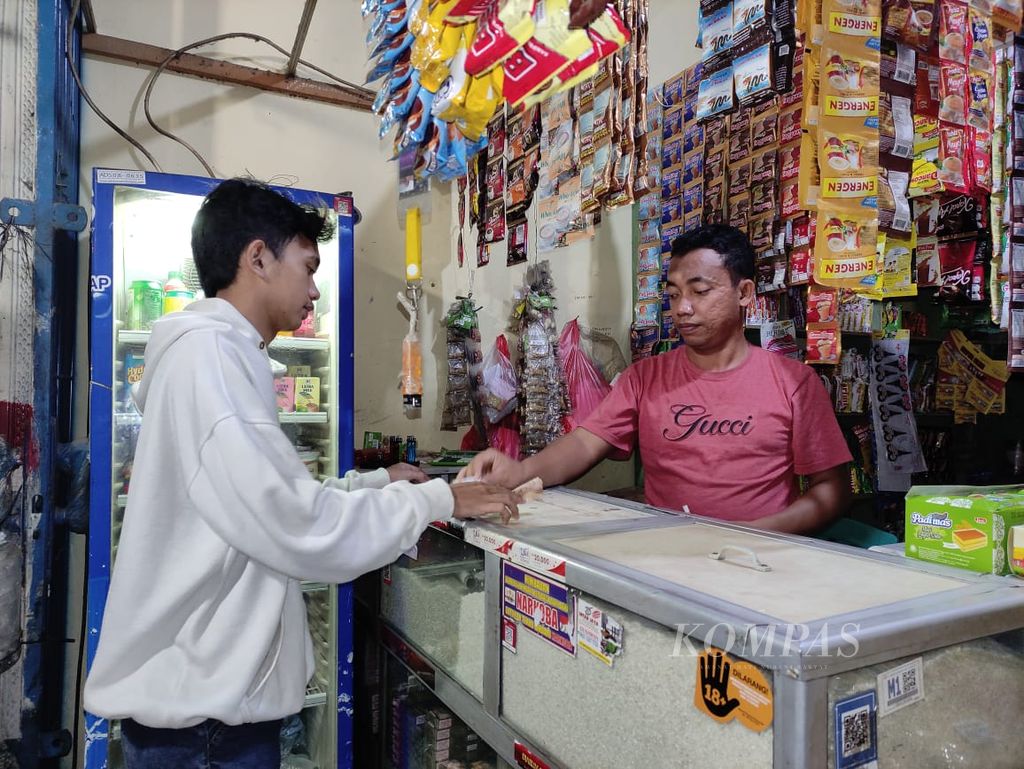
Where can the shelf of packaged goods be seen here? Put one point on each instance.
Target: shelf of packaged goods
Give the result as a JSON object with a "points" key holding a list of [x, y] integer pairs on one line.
{"points": [[304, 418], [282, 343]]}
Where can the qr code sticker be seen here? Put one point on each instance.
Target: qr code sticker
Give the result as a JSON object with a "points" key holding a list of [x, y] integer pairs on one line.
{"points": [[856, 731], [856, 737]]}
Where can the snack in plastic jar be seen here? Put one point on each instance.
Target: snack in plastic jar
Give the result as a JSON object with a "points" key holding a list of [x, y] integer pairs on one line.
{"points": [[953, 31], [954, 159], [952, 94]]}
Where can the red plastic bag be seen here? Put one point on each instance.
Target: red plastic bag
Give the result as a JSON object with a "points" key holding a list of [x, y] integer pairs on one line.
{"points": [[498, 390], [505, 437], [587, 388]]}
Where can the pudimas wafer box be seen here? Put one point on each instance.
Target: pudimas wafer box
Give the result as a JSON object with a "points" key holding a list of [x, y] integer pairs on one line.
{"points": [[980, 528]]}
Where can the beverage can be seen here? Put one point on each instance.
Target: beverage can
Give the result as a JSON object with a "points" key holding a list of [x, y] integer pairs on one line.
{"points": [[146, 304]]}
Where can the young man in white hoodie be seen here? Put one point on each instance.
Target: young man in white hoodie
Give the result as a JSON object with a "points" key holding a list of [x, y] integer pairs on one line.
{"points": [[204, 647]]}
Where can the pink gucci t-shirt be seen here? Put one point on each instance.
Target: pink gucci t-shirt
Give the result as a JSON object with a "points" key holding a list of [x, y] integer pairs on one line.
{"points": [[727, 444]]}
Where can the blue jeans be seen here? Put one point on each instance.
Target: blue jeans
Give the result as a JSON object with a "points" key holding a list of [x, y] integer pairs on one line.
{"points": [[209, 745]]}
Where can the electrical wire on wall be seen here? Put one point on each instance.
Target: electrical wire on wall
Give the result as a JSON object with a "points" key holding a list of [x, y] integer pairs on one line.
{"points": [[85, 94], [346, 85]]}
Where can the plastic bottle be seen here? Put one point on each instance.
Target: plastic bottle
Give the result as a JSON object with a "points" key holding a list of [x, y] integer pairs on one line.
{"points": [[176, 293], [410, 449]]}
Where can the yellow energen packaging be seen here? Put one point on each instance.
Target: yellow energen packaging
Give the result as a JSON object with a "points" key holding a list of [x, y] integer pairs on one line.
{"points": [[846, 247], [849, 86], [847, 161]]}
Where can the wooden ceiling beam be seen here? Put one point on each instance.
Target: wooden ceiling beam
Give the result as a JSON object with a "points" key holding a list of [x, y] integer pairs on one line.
{"points": [[226, 72]]}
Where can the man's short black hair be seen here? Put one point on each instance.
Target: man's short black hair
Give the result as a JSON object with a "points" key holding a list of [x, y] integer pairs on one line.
{"points": [[728, 242], [238, 212]]}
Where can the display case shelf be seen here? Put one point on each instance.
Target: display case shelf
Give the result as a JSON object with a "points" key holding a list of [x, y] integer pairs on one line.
{"points": [[283, 343], [305, 418]]}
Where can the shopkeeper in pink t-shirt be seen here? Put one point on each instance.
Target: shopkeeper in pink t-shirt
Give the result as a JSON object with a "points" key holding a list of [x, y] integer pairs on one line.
{"points": [[723, 427]]}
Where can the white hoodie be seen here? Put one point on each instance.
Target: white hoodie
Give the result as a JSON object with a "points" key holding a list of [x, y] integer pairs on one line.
{"points": [[205, 617]]}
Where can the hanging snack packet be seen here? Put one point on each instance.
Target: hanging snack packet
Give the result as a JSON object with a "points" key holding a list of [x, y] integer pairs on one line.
{"points": [[848, 166], [764, 127], [764, 198], [462, 11], [896, 125], [953, 31], [846, 248], [739, 211], [752, 75], [1007, 13], [495, 40], [955, 262], [790, 193], [716, 134], [982, 45], [812, 87], [823, 345], [809, 179], [763, 166], [822, 304], [739, 136], [849, 85], [853, 19], [789, 125], [954, 159], [749, 16], [899, 62], [716, 36], [952, 94], [893, 205], [982, 141], [789, 162], [979, 103], [715, 94], [739, 179]]}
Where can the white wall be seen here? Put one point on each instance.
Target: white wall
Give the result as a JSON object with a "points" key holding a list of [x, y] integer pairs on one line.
{"points": [[593, 280]]}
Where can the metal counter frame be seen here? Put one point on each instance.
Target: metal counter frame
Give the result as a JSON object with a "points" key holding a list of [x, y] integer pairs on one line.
{"points": [[985, 605]]}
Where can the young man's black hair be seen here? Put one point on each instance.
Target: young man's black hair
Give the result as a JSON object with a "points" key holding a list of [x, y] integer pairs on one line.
{"points": [[728, 242], [238, 212]]}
